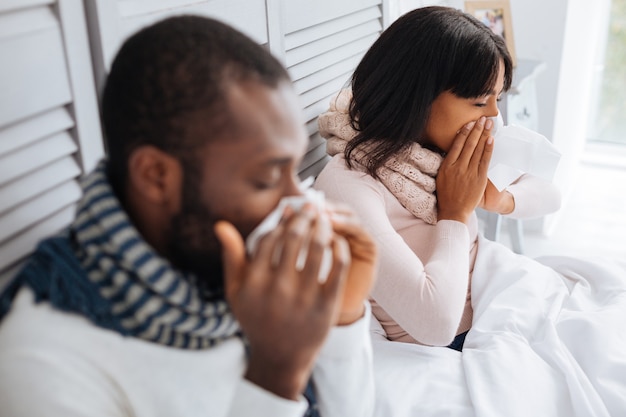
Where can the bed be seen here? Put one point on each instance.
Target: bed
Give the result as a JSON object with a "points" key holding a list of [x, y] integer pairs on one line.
{"points": [[548, 339]]}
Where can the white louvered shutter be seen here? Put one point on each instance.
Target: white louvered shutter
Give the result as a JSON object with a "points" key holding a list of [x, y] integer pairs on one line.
{"points": [[112, 21], [49, 126], [323, 43], [320, 42]]}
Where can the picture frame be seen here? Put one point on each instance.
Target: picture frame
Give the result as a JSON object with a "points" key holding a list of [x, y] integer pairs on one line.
{"points": [[495, 14]]}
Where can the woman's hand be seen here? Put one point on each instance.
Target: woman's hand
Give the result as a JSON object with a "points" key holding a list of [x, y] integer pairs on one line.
{"points": [[462, 177], [501, 202]]}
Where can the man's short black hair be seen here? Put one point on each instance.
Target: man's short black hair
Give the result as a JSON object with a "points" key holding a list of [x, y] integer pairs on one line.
{"points": [[172, 73]]}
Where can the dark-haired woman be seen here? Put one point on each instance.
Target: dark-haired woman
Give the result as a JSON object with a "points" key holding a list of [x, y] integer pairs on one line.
{"points": [[411, 143]]}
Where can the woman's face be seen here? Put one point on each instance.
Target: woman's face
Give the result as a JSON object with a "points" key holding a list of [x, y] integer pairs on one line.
{"points": [[449, 113]]}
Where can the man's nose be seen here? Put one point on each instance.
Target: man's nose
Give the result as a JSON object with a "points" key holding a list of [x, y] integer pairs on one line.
{"points": [[297, 187]]}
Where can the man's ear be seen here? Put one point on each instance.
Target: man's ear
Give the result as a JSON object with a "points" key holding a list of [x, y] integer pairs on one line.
{"points": [[155, 177]]}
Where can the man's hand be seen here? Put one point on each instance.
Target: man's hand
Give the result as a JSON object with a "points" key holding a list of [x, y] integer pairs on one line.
{"points": [[362, 273], [283, 308]]}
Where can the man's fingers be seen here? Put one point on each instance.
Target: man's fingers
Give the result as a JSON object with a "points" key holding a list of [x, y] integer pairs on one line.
{"points": [[233, 254], [341, 263], [315, 257], [297, 233]]}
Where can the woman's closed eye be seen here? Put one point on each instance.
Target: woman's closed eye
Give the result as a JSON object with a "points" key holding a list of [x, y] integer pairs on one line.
{"points": [[484, 102]]}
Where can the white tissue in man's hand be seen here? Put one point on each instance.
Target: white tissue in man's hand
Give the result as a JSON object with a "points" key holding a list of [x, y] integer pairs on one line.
{"points": [[271, 221], [517, 151]]}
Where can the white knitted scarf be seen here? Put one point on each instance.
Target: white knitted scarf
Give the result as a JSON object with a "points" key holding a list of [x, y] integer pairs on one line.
{"points": [[409, 176]]}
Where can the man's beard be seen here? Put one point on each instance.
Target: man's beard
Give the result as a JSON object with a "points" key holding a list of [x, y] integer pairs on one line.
{"points": [[192, 245], [194, 248]]}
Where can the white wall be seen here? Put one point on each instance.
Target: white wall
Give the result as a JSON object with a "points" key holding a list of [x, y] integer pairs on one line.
{"points": [[539, 34], [538, 31], [584, 32], [564, 34]]}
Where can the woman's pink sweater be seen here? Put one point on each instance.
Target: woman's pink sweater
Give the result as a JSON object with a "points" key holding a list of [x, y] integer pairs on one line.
{"points": [[421, 294]]}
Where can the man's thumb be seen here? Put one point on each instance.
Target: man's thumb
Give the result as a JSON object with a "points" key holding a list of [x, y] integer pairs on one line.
{"points": [[233, 253]]}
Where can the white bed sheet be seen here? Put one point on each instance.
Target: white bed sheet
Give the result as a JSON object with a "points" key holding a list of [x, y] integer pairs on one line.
{"points": [[548, 339]]}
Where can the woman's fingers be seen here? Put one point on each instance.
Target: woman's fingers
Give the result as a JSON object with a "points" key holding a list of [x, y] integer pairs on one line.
{"points": [[484, 147], [459, 143], [468, 148], [485, 156], [462, 177], [471, 147]]}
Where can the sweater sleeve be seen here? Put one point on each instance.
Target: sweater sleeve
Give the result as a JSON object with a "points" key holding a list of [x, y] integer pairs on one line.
{"points": [[344, 374], [57, 364], [425, 299], [534, 197], [252, 400], [343, 377]]}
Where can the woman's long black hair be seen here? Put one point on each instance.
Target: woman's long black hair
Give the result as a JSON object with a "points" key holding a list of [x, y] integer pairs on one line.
{"points": [[422, 54]]}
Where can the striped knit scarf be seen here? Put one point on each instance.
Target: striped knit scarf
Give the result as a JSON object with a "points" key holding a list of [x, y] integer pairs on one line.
{"points": [[102, 269], [149, 298]]}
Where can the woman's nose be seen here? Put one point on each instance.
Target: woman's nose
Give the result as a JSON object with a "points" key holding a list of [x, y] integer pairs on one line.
{"points": [[492, 108]]}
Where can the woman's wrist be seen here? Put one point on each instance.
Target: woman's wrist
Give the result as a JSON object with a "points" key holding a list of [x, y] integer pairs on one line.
{"points": [[507, 204]]}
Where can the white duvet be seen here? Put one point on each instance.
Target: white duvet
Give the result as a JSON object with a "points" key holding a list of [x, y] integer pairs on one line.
{"points": [[548, 339]]}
